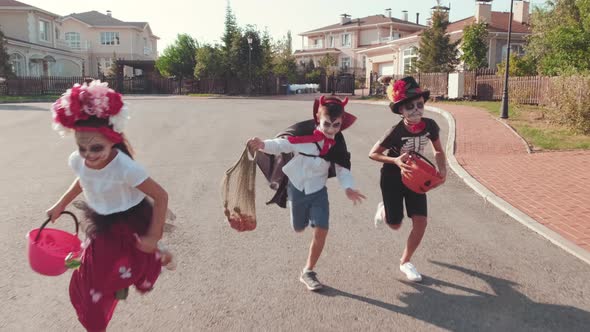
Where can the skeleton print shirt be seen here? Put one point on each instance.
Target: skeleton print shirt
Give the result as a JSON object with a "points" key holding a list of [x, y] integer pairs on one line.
{"points": [[399, 140]]}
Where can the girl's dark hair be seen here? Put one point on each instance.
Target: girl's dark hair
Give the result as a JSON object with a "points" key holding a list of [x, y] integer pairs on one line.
{"points": [[333, 110], [95, 122]]}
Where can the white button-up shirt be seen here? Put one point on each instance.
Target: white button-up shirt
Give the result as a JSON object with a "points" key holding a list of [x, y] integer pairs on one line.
{"points": [[308, 174]]}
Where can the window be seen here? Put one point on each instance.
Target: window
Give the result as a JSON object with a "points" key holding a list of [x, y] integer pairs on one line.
{"points": [[147, 47], [516, 49], [410, 58], [364, 61], [109, 38], [345, 63], [18, 64], [73, 39], [331, 41], [346, 40], [56, 33], [44, 30]]}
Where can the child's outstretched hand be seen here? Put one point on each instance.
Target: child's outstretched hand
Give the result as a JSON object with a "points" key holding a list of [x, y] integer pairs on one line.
{"points": [[355, 195], [255, 144]]}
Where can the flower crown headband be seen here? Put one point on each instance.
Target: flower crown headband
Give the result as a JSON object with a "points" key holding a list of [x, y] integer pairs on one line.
{"points": [[84, 101]]}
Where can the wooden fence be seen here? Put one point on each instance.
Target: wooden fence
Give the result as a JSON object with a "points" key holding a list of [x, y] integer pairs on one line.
{"points": [[484, 85]]}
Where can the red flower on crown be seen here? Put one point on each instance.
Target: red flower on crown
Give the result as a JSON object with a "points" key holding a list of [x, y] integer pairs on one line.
{"points": [[83, 101], [399, 90]]}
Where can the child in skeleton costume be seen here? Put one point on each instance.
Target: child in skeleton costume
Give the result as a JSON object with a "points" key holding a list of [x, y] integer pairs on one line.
{"points": [[121, 249], [411, 134], [318, 151]]}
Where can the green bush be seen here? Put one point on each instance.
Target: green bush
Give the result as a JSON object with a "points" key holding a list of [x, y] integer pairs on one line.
{"points": [[569, 102], [313, 76]]}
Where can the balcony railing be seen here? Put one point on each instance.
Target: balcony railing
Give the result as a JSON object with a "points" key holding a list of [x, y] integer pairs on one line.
{"points": [[313, 47], [70, 45]]}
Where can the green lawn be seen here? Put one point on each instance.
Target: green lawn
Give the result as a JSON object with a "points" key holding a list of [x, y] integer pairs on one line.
{"points": [[21, 99], [203, 95], [529, 121]]}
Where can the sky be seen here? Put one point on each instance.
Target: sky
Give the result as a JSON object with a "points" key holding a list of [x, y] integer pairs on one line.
{"points": [[204, 20]]}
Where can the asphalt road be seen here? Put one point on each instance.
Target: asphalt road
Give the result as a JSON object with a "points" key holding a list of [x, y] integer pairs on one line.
{"points": [[483, 271]]}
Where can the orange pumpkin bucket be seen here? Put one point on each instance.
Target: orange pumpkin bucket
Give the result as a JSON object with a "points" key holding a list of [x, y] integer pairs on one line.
{"points": [[424, 175]]}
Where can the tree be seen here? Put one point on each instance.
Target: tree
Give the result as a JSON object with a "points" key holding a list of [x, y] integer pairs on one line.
{"points": [[267, 65], [178, 59], [209, 62], [284, 61], [436, 52], [230, 34], [560, 42], [475, 46], [327, 62], [112, 70], [519, 66], [5, 66]]}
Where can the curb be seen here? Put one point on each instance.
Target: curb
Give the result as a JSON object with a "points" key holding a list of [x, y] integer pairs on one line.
{"points": [[501, 204], [489, 196]]}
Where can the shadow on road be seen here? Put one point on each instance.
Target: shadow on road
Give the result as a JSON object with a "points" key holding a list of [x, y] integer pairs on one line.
{"points": [[504, 309]]}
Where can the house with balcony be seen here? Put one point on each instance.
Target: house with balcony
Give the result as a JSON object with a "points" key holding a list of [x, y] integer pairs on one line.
{"points": [[345, 39], [399, 56], [107, 38], [35, 42]]}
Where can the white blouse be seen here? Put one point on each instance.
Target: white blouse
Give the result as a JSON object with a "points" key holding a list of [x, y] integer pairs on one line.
{"points": [[112, 188], [308, 174]]}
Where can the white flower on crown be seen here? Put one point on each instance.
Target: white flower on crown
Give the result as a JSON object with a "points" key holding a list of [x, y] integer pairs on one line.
{"points": [[119, 120]]}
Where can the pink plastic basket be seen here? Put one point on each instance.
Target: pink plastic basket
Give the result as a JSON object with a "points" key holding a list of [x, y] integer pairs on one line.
{"points": [[49, 247]]}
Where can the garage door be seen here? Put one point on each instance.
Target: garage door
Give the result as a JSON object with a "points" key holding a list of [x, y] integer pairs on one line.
{"points": [[385, 68]]}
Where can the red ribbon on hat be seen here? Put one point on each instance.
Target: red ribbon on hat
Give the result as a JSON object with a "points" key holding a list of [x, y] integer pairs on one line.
{"points": [[317, 136], [107, 132]]}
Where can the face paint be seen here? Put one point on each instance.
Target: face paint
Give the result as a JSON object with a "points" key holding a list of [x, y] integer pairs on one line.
{"points": [[96, 149], [413, 111], [330, 127]]}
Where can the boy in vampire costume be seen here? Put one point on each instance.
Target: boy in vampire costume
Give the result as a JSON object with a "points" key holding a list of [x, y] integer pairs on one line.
{"points": [[297, 165]]}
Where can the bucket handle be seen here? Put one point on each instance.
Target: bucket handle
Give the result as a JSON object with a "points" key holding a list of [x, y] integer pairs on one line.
{"points": [[423, 158], [49, 219]]}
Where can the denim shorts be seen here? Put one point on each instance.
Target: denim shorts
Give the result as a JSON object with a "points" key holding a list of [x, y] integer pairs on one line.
{"points": [[308, 210]]}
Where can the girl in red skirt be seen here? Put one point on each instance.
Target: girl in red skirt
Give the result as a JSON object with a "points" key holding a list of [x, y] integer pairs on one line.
{"points": [[121, 249]]}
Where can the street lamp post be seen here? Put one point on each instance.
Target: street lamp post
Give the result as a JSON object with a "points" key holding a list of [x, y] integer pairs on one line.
{"points": [[504, 107], [249, 64]]}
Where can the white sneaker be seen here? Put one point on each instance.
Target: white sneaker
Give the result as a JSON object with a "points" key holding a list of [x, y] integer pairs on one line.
{"points": [[411, 273], [379, 215]]}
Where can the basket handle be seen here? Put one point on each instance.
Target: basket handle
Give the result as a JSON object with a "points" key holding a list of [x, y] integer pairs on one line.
{"points": [[49, 219]]}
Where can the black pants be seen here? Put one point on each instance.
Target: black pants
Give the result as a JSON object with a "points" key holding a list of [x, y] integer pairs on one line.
{"points": [[395, 192]]}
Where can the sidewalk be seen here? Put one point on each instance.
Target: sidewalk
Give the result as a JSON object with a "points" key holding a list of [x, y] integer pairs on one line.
{"points": [[550, 187]]}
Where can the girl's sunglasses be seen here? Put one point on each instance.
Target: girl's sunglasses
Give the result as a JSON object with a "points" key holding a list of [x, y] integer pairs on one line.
{"points": [[327, 125], [95, 148]]}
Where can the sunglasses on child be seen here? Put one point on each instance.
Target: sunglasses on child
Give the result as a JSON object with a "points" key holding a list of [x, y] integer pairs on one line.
{"points": [[411, 106]]}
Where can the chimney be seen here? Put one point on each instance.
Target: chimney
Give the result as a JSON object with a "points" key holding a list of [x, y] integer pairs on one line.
{"points": [[344, 18], [521, 12], [388, 11], [483, 11], [417, 18], [109, 13], [405, 15]]}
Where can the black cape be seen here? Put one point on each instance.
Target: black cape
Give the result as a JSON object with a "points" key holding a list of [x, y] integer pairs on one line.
{"points": [[272, 166]]}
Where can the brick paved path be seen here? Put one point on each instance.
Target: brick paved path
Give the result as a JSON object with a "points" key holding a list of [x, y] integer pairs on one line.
{"points": [[551, 187]]}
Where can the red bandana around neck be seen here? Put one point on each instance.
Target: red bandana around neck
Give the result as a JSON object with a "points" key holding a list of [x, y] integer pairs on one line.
{"points": [[415, 128], [316, 137]]}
